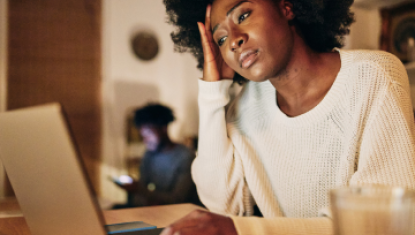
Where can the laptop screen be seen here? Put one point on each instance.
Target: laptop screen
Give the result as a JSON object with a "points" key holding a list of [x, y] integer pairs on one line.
{"points": [[46, 173]]}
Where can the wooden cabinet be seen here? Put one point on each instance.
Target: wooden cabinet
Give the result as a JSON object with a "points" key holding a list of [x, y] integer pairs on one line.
{"points": [[54, 55]]}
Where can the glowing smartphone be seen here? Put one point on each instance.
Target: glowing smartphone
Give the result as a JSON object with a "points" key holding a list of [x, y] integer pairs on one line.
{"points": [[122, 179]]}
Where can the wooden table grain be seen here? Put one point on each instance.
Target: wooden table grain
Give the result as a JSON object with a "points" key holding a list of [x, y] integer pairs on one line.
{"points": [[160, 216]]}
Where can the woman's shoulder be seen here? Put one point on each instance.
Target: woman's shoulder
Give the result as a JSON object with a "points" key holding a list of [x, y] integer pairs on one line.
{"points": [[367, 55], [375, 64]]}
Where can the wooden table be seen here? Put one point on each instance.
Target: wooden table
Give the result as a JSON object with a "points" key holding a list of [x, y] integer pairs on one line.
{"points": [[161, 216]]}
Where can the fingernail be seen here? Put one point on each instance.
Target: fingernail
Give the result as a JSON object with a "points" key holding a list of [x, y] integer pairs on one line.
{"points": [[199, 26]]}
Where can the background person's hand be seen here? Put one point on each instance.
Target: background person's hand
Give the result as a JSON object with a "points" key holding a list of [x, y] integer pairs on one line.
{"points": [[134, 187], [201, 222], [214, 68], [129, 187]]}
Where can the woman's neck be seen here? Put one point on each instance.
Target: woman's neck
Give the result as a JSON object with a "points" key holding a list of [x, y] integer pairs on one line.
{"points": [[306, 80]]}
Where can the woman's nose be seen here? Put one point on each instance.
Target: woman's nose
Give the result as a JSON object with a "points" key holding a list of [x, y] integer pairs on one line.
{"points": [[238, 39]]}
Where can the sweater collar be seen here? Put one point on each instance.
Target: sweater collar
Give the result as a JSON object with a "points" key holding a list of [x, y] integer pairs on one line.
{"points": [[319, 112]]}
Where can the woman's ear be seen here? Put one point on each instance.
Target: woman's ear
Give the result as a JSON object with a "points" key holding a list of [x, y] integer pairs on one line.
{"points": [[287, 9]]}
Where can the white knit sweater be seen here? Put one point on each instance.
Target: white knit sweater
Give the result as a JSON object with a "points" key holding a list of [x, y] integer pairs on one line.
{"points": [[362, 132]]}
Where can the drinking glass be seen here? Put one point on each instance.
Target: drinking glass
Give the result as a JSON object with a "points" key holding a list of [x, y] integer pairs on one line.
{"points": [[373, 211]]}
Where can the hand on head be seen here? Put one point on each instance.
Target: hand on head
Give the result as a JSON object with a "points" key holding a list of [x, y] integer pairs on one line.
{"points": [[201, 222], [214, 68]]}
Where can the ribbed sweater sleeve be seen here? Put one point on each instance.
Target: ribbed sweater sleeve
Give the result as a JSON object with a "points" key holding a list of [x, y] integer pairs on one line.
{"points": [[282, 226], [387, 150], [217, 173]]}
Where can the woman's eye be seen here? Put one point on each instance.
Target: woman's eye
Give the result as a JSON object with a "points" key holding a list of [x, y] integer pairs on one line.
{"points": [[243, 17], [221, 41]]}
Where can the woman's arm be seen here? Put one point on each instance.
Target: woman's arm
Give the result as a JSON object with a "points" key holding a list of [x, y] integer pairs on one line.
{"points": [[387, 152], [206, 223], [217, 170]]}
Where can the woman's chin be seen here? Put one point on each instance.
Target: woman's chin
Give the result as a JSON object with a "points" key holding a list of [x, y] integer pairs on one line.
{"points": [[257, 78], [255, 74]]}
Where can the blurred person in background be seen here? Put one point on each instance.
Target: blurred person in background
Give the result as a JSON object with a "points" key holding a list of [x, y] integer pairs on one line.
{"points": [[165, 168]]}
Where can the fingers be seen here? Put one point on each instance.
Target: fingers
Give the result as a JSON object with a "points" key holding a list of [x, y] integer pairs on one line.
{"points": [[207, 15], [206, 34], [207, 50], [214, 67], [183, 231], [189, 222], [207, 21], [202, 223], [210, 69]]}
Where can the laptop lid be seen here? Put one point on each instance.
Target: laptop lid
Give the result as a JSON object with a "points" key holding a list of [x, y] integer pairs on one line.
{"points": [[48, 178]]}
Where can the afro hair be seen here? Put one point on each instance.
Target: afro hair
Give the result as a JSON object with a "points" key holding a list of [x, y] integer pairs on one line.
{"points": [[321, 23], [153, 114]]}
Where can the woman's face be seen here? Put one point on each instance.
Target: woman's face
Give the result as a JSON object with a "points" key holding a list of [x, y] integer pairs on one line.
{"points": [[253, 36]]}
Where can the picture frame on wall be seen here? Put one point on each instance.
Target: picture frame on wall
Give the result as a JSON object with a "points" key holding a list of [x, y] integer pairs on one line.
{"points": [[398, 31]]}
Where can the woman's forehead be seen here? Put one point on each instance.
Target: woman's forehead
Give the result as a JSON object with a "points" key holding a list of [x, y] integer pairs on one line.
{"points": [[222, 8], [230, 2], [222, 4]]}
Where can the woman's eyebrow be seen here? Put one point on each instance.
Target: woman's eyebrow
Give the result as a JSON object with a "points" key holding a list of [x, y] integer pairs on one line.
{"points": [[233, 8], [228, 13]]}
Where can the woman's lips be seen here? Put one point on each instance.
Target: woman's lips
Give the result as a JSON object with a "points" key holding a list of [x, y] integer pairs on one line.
{"points": [[248, 58]]}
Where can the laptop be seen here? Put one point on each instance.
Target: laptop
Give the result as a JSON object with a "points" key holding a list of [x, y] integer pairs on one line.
{"points": [[47, 175]]}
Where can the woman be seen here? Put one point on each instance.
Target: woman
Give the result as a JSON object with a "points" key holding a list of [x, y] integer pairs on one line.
{"points": [[310, 117]]}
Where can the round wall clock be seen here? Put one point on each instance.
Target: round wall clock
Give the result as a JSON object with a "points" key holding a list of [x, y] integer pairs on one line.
{"points": [[145, 45], [398, 31], [402, 36]]}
